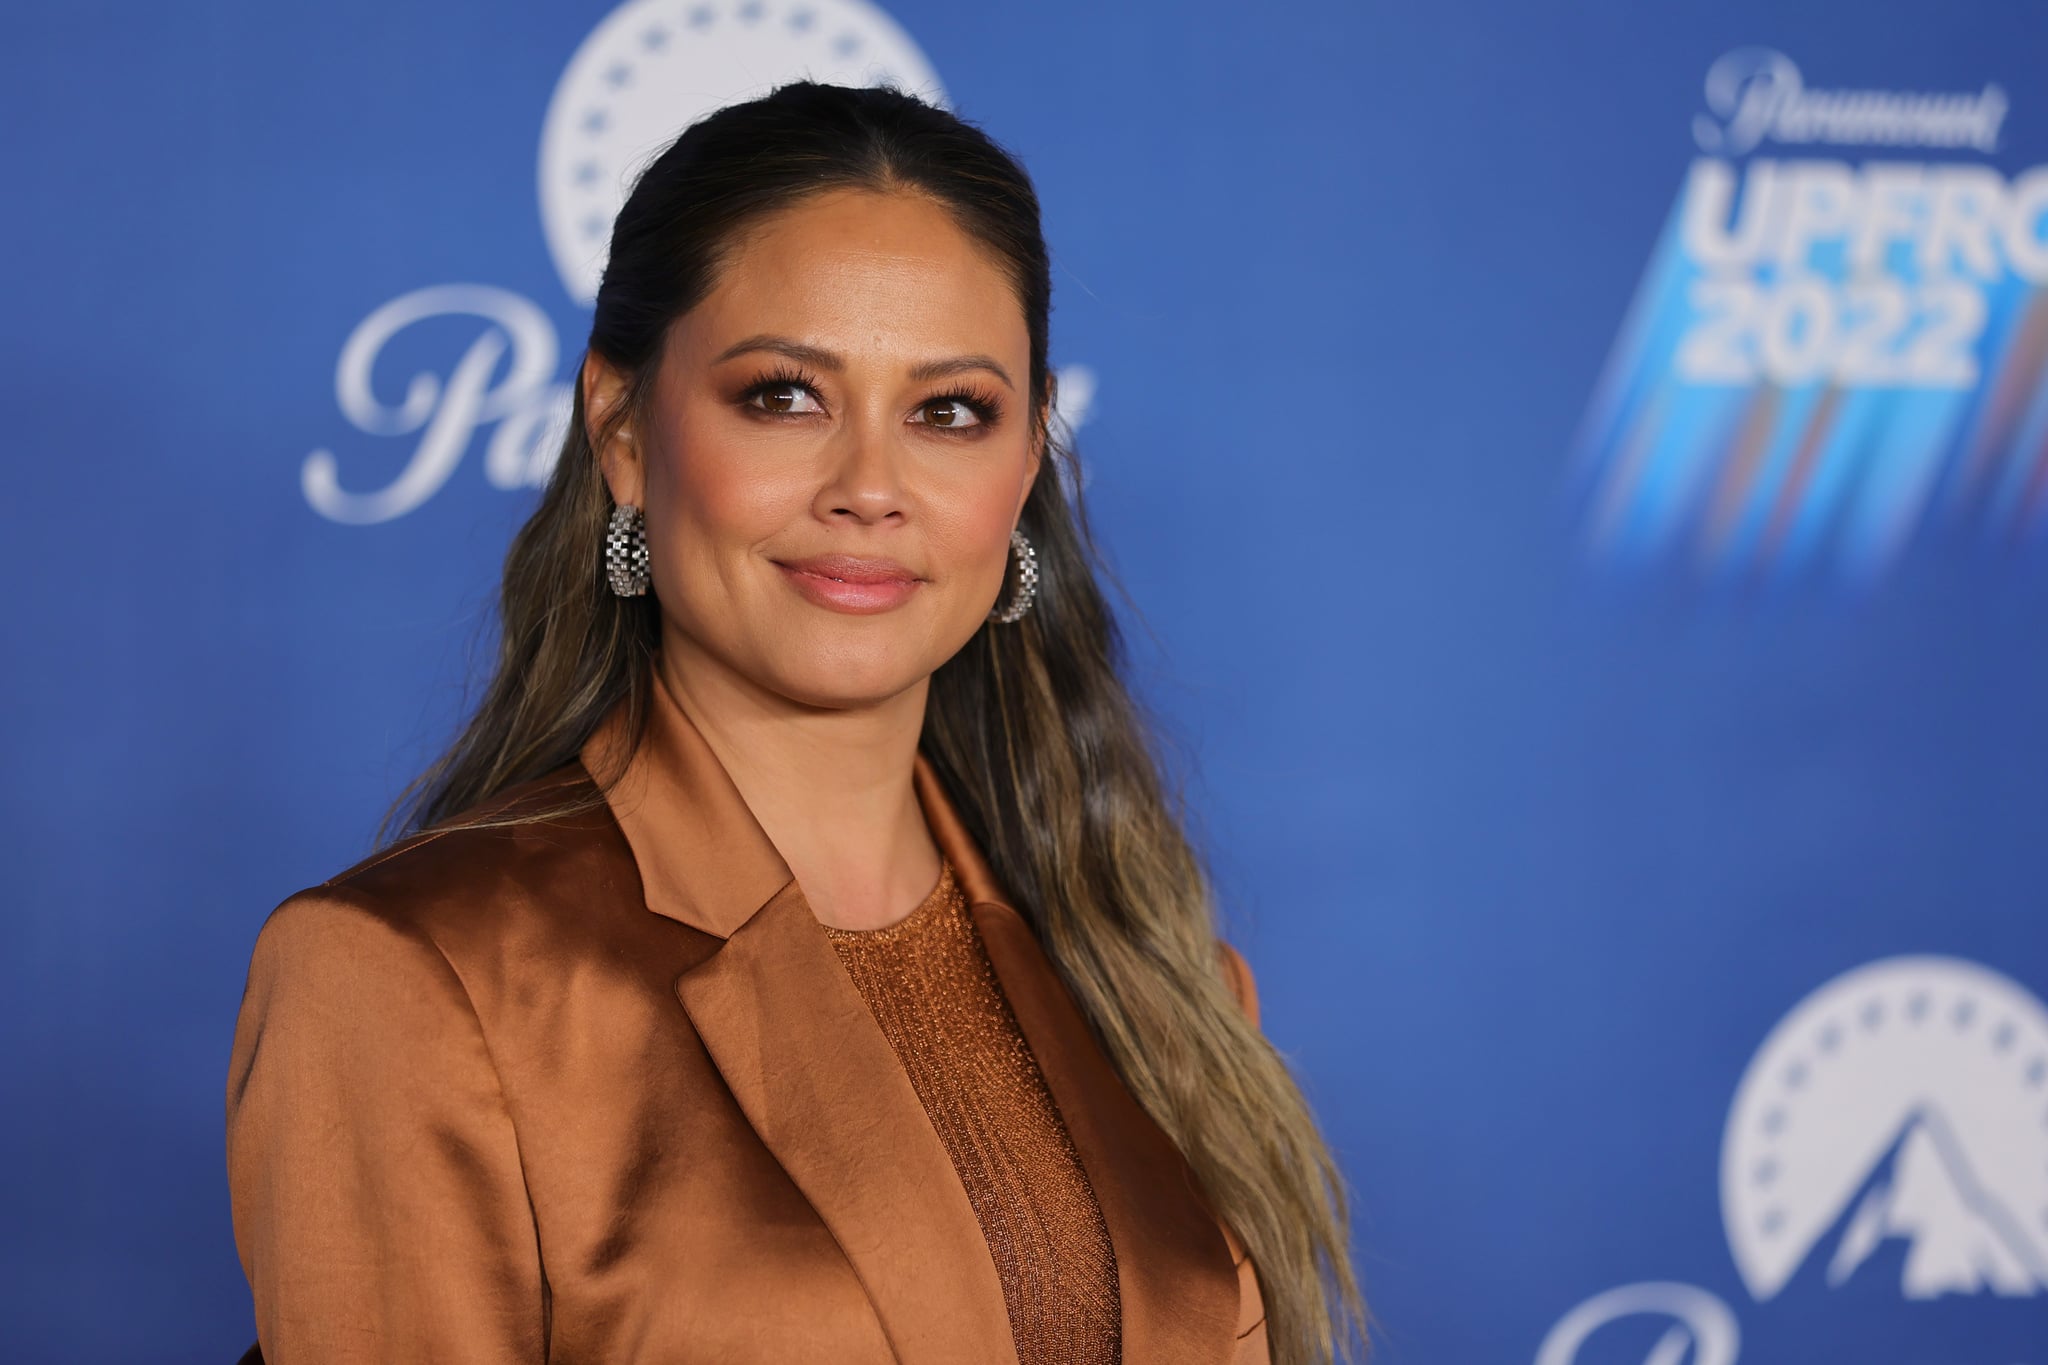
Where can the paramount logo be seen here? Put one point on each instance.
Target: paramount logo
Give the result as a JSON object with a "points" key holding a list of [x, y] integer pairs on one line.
{"points": [[1926, 1197], [1755, 94], [1885, 1151]]}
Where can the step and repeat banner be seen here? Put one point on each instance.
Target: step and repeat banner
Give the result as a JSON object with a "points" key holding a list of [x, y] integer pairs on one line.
{"points": [[1581, 477]]}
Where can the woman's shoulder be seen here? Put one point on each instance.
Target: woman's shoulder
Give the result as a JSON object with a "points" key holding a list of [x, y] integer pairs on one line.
{"points": [[510, 859]]}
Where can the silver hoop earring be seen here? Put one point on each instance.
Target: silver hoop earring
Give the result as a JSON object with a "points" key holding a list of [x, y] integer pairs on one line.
{"points": [[1027, 582], [625, 551]]}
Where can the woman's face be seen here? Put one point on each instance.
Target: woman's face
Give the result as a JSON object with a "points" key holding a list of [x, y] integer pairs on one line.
{"points": [[837, 447]]}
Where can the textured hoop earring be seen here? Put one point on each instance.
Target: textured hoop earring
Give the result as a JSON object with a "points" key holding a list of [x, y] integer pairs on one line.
{"points": [[1027, 583], [625, 551]]}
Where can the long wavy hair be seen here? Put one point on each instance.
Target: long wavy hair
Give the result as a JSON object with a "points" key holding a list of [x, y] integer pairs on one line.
{"points": [[1030, 725]]}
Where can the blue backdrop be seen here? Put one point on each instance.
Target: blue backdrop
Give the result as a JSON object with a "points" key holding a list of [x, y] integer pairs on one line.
{"points": [[1584, 472]]}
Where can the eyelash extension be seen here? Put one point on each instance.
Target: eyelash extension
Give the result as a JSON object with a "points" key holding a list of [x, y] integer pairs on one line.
{"points": [[986, 404], [785, 375]]}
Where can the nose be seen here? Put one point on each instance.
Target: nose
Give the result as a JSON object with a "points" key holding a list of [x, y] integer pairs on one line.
{"points": [[864, 478]]}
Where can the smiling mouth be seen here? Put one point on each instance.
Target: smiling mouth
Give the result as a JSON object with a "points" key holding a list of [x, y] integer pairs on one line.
{"points": [[842, 583], [849, 569]]}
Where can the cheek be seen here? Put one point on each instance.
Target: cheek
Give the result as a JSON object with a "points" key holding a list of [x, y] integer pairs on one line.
{"points": [[974, 530], [713, 499]]}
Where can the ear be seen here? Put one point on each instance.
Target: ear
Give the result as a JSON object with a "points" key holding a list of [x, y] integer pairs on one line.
{"points": [[614, 443], [1039, 441]]}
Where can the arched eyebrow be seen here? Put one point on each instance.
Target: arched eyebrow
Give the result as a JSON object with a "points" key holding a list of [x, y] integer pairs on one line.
{"points": [[831, 360]]}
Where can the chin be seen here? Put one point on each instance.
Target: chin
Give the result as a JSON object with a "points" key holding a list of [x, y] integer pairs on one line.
{"points": [[841, 679]]}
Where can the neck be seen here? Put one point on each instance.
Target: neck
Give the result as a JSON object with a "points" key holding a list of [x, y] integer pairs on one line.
{"points": [[831, 787]]}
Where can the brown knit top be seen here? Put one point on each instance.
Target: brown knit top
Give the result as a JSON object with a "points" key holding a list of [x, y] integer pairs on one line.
{"points": [[931, 987]]}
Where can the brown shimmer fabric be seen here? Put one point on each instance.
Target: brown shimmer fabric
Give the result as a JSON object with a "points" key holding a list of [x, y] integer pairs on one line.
{"points": [[598, 1089], [929, 984]]}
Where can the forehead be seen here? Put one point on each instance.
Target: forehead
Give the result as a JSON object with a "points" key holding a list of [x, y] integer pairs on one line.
{"points": [[864, 273]]}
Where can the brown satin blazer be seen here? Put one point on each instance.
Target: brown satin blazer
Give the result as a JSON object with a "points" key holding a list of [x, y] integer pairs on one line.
{"points": [[599, 1090]]}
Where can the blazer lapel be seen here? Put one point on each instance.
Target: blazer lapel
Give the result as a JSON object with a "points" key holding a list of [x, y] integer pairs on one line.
{"points": [[1174, 1268], [799, 1049], [821, 1087]]}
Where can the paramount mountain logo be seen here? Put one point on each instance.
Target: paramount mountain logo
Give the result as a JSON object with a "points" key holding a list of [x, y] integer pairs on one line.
{"points": [[1957, 1238], [1888, 1147], [1903, 1102], [653, 67]]}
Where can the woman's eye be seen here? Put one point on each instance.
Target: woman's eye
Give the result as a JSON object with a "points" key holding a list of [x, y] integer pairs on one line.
{"points": [[784, 397], [950, 412]]}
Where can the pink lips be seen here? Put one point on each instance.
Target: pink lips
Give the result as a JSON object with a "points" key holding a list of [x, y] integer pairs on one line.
{"points": [[845, 583]]}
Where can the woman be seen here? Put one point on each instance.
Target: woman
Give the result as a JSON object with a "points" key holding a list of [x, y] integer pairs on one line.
{"points": [[796, 958]]}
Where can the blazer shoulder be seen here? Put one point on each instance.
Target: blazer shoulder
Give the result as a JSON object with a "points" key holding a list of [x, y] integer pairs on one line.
{"points": [[448, 919], [467, 868], [1238, 974]]}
